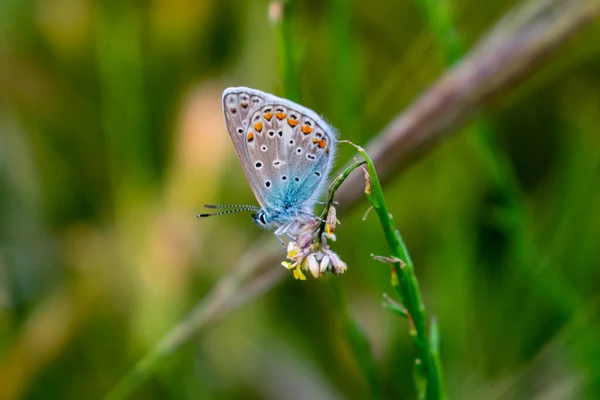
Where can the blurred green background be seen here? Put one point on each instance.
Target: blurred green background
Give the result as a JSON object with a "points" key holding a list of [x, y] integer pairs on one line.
{"points": [[112, 137]]}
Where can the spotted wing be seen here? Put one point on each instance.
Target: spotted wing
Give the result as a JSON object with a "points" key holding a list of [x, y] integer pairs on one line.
{"points": [[288, 150], [238, 104]]}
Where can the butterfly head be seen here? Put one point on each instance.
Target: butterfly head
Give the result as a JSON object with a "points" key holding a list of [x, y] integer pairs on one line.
{"points": [[260, 218]]}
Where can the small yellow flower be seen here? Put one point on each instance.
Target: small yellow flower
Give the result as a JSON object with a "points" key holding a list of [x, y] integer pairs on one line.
{"points": [[310, 252], [287, 264], [298, 274], [293, 249]]}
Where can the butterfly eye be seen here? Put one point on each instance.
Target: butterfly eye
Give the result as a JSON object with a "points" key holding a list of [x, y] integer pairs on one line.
{"points": [[262, 219]]}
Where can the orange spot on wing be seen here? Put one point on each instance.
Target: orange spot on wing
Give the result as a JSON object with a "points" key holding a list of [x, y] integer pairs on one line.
{"points": [[306, 129], [293, 122], [327, 151], [268, 116], [322, 144], [280, 115], [250, 136], [258, 126], [315, 140], [244, 105]]}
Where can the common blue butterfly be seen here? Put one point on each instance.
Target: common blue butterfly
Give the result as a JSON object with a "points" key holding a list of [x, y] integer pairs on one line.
{"points": [[286, 151]]}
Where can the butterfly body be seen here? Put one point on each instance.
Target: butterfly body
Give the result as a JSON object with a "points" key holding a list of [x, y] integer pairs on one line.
{"points": [[286, 151]]}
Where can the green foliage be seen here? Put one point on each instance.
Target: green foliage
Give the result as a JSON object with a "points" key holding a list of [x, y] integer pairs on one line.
{"points": [[111, 138]]}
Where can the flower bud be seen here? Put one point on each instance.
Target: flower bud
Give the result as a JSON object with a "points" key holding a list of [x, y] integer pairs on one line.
{"points": [[304, 239], [324, 267], [339, 267], [275, 12], [331, 221], [313, 265]]}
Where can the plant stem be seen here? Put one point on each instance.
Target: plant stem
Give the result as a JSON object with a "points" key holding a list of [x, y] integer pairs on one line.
{"points": [[332, 189], [428, 366], [288, 59]]}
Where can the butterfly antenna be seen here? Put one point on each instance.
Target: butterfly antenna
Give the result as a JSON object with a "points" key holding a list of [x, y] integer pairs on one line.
{"points": [[250, 208], [236, 206]]}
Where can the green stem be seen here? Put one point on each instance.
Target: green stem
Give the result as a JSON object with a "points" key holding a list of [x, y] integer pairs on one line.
{"points": [[332, 189], [428, 366], [289, 59]]}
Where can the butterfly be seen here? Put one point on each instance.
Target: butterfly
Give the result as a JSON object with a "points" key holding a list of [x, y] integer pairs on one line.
{"points": [[286, 152]]}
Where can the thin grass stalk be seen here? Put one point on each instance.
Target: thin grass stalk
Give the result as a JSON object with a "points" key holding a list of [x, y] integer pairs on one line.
{"points": [[289, 60], [404, 280]]}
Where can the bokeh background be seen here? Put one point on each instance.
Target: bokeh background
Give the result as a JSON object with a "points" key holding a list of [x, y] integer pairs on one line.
{"points": [[112, 137]]}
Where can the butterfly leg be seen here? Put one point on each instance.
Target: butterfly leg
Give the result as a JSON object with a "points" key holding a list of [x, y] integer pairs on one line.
{"points": [[280, 240], [291, 237], [285, 230], [279, 232]]}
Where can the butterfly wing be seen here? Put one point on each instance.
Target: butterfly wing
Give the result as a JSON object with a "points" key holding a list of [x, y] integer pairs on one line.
{"points": [[286, 150], [238, 103]]}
